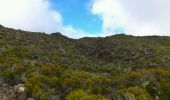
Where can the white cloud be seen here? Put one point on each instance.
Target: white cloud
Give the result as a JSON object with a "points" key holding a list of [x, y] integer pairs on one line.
{"points": [[137, 17], [35, 15]]}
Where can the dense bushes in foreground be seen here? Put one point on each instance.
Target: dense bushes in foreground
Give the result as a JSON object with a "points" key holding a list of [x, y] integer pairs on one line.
{"points": [[53, 82]]}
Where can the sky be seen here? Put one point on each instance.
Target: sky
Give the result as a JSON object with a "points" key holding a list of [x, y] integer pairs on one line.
{"points": [[88, 18]]}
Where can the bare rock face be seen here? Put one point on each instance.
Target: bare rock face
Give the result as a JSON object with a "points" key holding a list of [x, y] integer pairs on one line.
{"points": [[12, 92]]}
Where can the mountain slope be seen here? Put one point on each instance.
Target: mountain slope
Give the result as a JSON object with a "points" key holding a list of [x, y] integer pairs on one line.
{"points": [[53, 66]]}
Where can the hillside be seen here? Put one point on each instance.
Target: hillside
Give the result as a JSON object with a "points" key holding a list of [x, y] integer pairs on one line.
{"points": [[55, 67]]}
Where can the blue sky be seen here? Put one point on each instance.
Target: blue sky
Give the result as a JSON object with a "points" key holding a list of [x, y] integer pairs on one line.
{"points": [[76, 13], [88, 18]]}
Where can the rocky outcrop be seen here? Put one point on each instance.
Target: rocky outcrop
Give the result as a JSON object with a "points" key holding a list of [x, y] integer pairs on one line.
{"points": [[12, 92]]}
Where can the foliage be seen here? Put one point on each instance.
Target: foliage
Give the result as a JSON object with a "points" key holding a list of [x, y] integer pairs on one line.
{"points": [[82, 95], [132, 93]]}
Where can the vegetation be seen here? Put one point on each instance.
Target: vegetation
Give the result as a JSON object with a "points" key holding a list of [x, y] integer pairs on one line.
{"points": [[54, 67]]}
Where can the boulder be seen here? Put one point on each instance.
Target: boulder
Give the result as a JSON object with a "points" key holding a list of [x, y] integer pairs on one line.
{"points": [[19, 91], [19, 88], [30, 99]]}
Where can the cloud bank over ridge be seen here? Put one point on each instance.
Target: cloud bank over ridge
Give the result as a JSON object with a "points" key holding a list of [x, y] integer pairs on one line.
{"points": [[37, 16], [136, 17]]}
